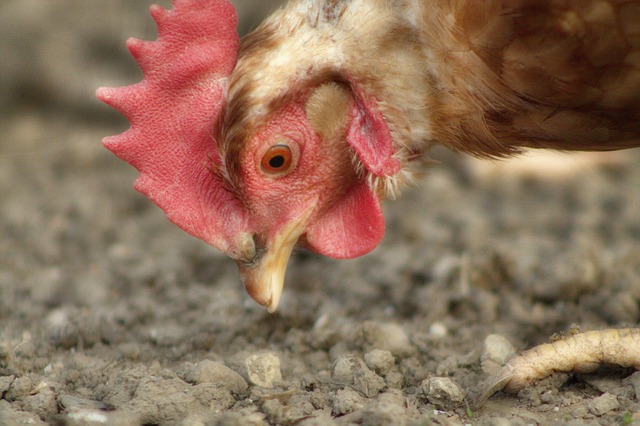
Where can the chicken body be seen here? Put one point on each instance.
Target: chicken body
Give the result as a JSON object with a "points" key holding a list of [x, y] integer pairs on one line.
{"points": [[380, 81], [332, 102], [480, 77]]}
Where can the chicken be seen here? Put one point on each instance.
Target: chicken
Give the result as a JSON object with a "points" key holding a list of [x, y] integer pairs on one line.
{"points": [[295, 134]]}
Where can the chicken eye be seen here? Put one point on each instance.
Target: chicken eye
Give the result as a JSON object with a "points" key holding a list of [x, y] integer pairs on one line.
{"points": [[277, 159]]}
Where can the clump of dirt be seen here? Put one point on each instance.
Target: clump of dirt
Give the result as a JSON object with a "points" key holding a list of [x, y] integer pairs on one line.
{"points": [[110, 314]]}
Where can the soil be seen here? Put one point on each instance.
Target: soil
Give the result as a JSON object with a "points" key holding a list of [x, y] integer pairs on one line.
{"points": [[109, 314]]}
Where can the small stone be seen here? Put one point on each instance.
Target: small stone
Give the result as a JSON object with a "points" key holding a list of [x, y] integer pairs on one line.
{"points": [[603, 404], [263, 369], [5, 383], [394, 379], [61, 330], [379, 361], [319, 399], [350, 370], [86, 417], [389, 337], [208, 371], [442, 391], [387, 410], [276, 413], [213, 396], [131, 350], [549, 397], [10, 416], [70, 404], [580, 411], [346, 401], [370, 384], [497, 350], [245, 417], [159, 400], [438, 330], [344, 368], [608, 384], [503, 421], [42, 403], [19, 389], [317, 418], [634, 380]]}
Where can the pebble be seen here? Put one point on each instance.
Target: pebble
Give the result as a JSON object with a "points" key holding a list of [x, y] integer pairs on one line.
{"points": [[243, 417], [634, 379], [603, 404], [379, 361], [87, 417], [42, 403], [387, 336], [344, 368], [442, 391], [263, 369], [346, 401], [319, 418], [61, 330], [10, 416], [70, 404], [131, 350], [496, 351], [19, 389], [438, 330], [5, 383], [394, 379], [549, 397], [160, 400], [580, 411], [208, 371], [350, 370], [503, 421], [389, 409], [612, 385], [275, 411]]}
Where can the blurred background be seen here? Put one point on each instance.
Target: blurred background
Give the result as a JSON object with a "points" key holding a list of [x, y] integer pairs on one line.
{"points": [[64, 199], [55, 53]]}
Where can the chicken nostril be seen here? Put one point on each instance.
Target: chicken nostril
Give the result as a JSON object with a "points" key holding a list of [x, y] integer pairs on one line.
{"points": [[245, 251]]}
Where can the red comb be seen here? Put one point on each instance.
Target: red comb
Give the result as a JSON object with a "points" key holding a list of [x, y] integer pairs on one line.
{"points": [[173, 111]]}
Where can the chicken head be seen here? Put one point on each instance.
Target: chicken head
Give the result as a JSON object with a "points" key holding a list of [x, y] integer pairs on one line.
{"points": [[248, 174]]}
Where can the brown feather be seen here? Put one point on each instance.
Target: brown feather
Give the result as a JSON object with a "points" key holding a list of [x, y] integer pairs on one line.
{"points": [[483, 77], [535, 73], [308, 44]]}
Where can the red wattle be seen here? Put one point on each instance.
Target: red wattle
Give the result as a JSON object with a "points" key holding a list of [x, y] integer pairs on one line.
{"points": [[352, 227]]}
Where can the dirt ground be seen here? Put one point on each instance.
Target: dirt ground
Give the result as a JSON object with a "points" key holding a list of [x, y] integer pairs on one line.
{"points": [[109, 314]]}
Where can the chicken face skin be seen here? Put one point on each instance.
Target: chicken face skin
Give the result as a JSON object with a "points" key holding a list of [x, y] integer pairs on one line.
{"points": [[316, 200]]}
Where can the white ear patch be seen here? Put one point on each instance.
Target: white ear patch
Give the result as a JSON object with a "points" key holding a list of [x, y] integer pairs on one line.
{"points": [[328, 110]]}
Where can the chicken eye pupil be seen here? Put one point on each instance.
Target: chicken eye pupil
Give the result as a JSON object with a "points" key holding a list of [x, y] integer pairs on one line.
{"points": [[277, 161]]}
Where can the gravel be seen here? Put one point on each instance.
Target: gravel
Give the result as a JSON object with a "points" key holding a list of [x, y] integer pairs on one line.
{"points": [[111, 315]]}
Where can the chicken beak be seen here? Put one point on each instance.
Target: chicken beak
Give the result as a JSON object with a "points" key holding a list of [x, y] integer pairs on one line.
{"points": [[263, 276]]}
